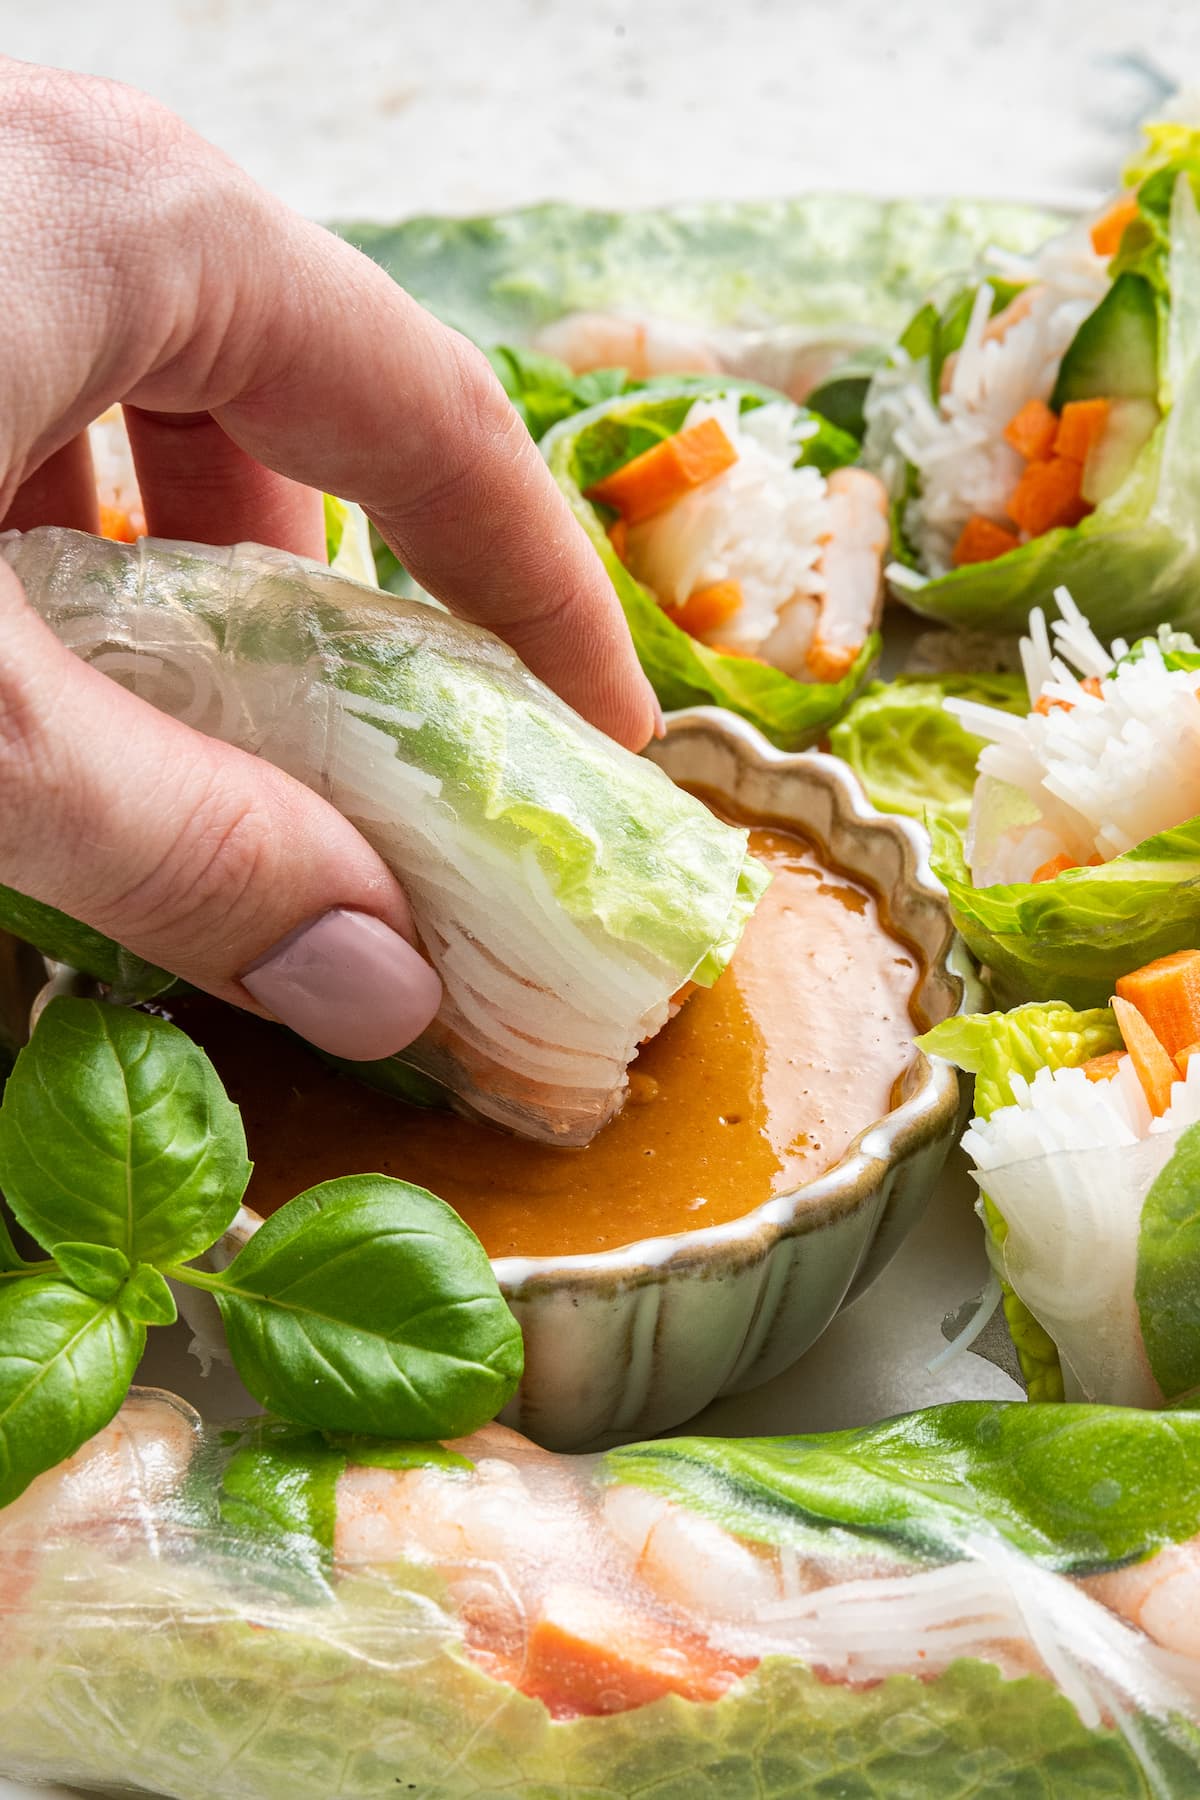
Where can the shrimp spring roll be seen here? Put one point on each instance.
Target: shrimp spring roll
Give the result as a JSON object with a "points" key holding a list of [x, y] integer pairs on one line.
{"points": [[1081, 856], [564, 889], [1037, 427], [747, 553], [1086, 1148], [980, 1599]]}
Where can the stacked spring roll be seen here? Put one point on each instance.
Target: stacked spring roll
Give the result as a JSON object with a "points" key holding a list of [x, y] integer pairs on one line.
{"points": [[1001, 1596], [1081, 854], [1086, 1147], [1036, 426], [564, 889], [745, 548]]}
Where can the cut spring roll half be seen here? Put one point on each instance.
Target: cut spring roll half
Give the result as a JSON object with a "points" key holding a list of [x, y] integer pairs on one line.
{"points": [[1012, 1587], [747, 553], [1038, 427], [1082, 851], [564, 889], [1086, 1147]]}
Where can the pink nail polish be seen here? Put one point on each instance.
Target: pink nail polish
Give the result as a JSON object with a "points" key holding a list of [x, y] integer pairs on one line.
{"points": [[349, 984]]}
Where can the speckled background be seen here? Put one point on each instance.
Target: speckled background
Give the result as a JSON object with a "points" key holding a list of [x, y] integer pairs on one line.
{"points": [[383, 107]]}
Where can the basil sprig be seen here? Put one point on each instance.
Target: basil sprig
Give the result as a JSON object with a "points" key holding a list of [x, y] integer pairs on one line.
{"points": [[365, 1305]]}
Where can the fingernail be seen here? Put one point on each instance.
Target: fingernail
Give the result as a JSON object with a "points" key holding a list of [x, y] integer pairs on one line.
{"points": [[349, 984], [660, 724]]}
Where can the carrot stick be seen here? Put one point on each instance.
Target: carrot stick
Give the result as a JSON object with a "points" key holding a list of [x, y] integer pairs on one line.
{"points": [[1031, 432], [594, 1654], [1109, 228], [1102, 1068], [708, 607], [980, 540], [666, 472], [1057, 865], [1048, 494], [118, 525], [1045, 705], [1080, 428], [1167, 994], [1155, 1069]]}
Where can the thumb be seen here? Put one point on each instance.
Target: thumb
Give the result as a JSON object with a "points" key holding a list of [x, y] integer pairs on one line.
{"points": [[197, 856]]}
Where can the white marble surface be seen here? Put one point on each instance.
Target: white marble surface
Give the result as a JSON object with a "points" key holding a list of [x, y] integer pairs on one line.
{"points": [[378, 108]]}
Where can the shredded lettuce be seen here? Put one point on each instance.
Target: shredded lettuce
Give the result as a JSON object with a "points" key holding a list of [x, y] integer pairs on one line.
{"points": [[994, 1047], [683, 671], [1168, 1273], [910, 754]]}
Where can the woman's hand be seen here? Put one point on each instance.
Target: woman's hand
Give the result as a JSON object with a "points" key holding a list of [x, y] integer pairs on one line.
{"points": [[260, 360]]}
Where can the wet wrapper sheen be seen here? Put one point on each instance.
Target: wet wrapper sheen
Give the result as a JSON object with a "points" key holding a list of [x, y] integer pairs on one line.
{"points": [[979, 1599]]}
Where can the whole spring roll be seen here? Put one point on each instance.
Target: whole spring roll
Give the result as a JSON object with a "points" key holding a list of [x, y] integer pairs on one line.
{"points": [[564, 889], [978, 1599]]}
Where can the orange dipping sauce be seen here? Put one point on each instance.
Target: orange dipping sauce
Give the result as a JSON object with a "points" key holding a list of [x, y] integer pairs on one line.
{"points": [[760, 1083]]}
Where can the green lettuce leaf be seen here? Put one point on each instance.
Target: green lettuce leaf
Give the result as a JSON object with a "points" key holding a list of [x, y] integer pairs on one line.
{"points": [[1074, 1488], [1167, 141], [545, 391], [1070, 938], [683, 671], [1135, 560], [1167, 1288], [910, 754], [813, 263], [994, 1047]]}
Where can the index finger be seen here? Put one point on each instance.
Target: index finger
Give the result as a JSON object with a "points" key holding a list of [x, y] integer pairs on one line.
{"points": [[335, 377]]}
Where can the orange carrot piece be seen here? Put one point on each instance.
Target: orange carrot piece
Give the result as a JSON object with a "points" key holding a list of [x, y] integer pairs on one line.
{"points": [[829, 662], [980, 540], [743, 655], [1057, 865], [1109, 228], [117, 525], [1155, 1069], [1081, 426], [666, 472], [1045, 705], [1102, 1068], [1047, 495], [707, 608], [1031, 432], [589, 1653], [618, 537], [1167, 994], [1183, 1057]]}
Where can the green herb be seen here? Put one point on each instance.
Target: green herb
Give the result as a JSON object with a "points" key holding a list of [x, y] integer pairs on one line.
{"points": [[1168, 1298], [364, 1306]]}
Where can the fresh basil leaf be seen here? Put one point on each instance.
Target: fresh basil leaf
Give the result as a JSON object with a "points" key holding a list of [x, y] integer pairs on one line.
{"points": [[115, 1130], [1074, 1488], [367, 1305], [280, 1485], [95, 1269], [10, 1256], [147, 1298], [64, 939], [1166, 1289], [66, 1362]]}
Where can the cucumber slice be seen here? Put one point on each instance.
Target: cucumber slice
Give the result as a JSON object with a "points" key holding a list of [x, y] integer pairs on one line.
{"points": [[1127, 431], [1114, 354]]}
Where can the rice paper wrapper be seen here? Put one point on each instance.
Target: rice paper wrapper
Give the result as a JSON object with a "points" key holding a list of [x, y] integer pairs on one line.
{"points": [[933, 1606], [564, 889], [831, 270]]}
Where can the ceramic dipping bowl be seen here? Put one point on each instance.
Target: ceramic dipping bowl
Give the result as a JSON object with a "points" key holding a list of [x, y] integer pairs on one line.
{"points": [[630, 1341]]}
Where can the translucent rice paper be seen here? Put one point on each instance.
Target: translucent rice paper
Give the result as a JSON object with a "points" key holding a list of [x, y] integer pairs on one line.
{"points": [[564, 889], [945, 1604]]}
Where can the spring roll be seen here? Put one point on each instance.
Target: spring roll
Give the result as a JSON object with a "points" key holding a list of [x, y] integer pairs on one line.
{"points": [[1036, 426], [994, 1588], [564, 889]]}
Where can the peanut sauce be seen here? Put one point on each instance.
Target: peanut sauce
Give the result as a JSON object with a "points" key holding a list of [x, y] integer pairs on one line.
{"points": [[759, 1084]]}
